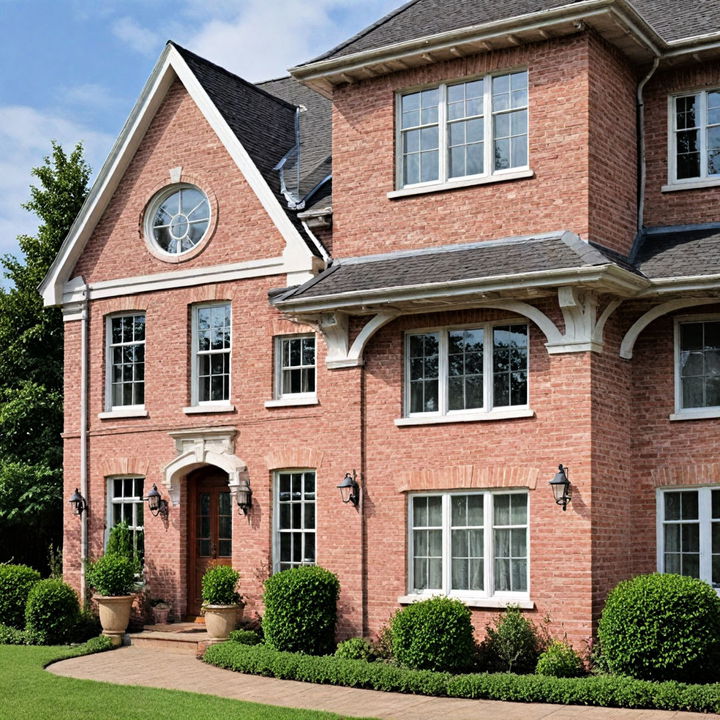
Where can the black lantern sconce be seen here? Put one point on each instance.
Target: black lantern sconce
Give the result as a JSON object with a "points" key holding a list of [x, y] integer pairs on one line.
{"points": [[561, 487], [156, 504], [349, 489], [243, 496], [78, 502]]}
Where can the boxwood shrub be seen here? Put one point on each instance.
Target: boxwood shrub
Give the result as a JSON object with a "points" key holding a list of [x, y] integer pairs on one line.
{"points": [[219, 586], [356, 649], [434, 634], [16, 581], [52, 612], [301, 610], [560, 660], [112, 575], [512, 643], [246, 637], [604, 690], [662, 627]]}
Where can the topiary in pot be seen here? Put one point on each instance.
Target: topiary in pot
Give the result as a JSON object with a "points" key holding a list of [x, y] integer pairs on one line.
{"points": [[222, 604], [662, 627], [301, 610], [434, 634], [113, 579], [16, 581], [52, 612]]}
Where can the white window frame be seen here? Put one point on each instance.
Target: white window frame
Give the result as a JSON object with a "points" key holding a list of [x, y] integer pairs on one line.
{"points": [[704, 521], [276, 531], [704, 179], [208, 405], [443, 181], [112, 501], [280, 397], [682, 413], [121, 410], [470, 597], [488, 411]]}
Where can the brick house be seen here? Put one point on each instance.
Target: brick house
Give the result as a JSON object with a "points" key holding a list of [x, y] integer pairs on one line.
{"points": [[474, 242]]}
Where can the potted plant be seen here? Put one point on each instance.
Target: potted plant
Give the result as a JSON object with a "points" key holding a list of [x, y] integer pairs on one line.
{"points": [[113, 579], [222, 604], [160, 611]]}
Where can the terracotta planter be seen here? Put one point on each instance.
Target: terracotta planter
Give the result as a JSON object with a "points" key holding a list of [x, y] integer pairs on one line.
{"points": [[114, 615], [221, 620]]}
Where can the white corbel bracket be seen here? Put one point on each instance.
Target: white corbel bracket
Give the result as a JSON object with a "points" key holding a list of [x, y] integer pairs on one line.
{"points": [[335, 329]]}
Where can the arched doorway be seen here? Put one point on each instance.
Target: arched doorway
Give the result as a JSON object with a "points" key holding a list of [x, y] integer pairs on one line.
{"points": [[209, 528]]}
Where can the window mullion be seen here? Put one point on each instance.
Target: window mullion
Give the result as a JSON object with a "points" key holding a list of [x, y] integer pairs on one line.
{"points": [[489, 549], [443, 372], [702, 125], [489, 140], [704, 518], [446, 545], [442, 134], [488, 369]]}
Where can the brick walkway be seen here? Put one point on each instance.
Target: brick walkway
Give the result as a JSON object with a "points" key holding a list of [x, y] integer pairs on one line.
{"points": [[181, 671]]}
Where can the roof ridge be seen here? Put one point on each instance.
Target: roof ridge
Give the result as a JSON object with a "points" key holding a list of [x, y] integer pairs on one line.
{"points": [[277, 79], [225, 71]]}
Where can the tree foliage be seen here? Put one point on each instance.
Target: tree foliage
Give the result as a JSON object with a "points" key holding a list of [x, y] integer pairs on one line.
{"points": [[31, 366]]}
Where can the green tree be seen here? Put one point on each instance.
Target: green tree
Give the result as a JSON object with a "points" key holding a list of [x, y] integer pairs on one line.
{"points": [[31, 367]]}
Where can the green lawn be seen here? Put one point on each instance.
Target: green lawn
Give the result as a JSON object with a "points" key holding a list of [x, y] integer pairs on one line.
{"points": [[29, 692]]}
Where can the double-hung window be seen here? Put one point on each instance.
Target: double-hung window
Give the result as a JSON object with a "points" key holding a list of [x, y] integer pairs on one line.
{"points": [[471, 129], [689, 533], [697, 371], [295, 367], [465, 371], [212, 345], [125, 504], [695, 137], [469, 544], [125, 361], [294, 519]]}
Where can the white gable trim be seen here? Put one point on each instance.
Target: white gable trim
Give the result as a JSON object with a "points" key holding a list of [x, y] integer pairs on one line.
{"points": [[297, 258]]}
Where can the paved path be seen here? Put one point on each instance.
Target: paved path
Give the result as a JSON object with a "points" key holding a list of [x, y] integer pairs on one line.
{"points": [[181, 671]]}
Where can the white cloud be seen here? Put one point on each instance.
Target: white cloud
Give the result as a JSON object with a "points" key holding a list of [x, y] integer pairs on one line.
{"points": [[136, 36], [25, 135], [88, 95]]}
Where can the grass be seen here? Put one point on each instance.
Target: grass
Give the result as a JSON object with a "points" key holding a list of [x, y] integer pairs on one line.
{"points": [[29, 692]]}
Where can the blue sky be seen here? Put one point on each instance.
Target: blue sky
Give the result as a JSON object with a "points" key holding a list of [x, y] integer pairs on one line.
{"points": [[70, 70]]}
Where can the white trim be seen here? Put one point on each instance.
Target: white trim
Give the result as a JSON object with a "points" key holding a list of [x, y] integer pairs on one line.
{"points": [[208, 405], [118, 411], [204, 408], [492, 603], [495, 414], [500, 176], [285, 399], [293, 400], [690, 185], [297, 258], [128, 411], [695, 414], [275, 544]]}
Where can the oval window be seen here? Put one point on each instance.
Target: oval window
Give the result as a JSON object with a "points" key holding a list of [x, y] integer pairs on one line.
{"points": [[179, 219]]}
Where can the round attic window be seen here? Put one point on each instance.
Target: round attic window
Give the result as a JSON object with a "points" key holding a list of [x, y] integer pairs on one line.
{"points": [[178, 219]]}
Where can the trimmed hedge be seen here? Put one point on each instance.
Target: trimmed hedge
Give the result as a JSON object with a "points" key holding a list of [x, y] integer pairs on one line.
{"points": [[605, 691], [12, 636], [246, 637], [662, 627], [301, 610], [52, 612], [16, 581]]}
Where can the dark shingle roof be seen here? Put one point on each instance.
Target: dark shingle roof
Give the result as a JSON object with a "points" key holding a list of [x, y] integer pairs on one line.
{"points": [[510, 256], [680, 252], [420, 18]]}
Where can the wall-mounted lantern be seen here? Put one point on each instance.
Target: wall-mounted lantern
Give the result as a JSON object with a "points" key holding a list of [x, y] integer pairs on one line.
{"points": [[78, 502], [243, 495], [156, 504], [349, 489], [561, 487]]}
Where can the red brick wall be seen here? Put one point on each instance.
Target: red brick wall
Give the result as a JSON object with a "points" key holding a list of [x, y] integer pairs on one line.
{"points": [[685, 206]]}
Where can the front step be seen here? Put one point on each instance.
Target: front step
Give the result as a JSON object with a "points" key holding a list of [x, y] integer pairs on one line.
{"points": [[176, 637]]}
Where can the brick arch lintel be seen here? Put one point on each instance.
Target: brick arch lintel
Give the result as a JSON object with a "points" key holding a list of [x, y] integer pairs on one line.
{"points": [[462, 477], [117, 466], [297, 457], [687, 474], [123, 304]]}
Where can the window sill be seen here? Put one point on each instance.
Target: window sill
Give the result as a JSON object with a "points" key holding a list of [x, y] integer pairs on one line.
{"points": [[209, 408], [453, 184], [469, 417], [128, 412], [696, 414], [691, 185], [290, 401], [475, 602]]}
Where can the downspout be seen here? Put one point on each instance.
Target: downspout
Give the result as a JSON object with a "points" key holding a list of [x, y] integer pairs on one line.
{"points": [[83, 441], [642, 159]]}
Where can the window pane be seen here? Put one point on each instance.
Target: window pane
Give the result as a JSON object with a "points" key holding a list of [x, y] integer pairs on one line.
{"points": [[434, 511]]}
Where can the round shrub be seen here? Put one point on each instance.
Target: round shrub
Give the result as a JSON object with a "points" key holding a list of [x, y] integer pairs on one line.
{"points": [[112, 575], [245, 637], [219, 586], [434, 634], [16, 581], [511, 644], [560, 660], [662, 627], [356, 649], [52, 612], [301, 610]]}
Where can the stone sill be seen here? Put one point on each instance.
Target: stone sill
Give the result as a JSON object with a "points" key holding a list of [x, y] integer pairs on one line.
{"points": [[465, 417], [210, 408], [692, 185], [696, 414], [455, 184], [474, 602], [290, 401], [121, 413]]}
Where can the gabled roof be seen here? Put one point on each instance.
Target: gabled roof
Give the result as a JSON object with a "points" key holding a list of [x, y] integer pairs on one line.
{"points": [[255, 127]]}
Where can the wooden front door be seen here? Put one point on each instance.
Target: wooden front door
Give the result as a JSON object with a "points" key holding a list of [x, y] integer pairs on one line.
{"points": [[209, 529]]}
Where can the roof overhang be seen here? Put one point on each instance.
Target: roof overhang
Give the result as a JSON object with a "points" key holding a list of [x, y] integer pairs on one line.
{"points": [[616, 20]]}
